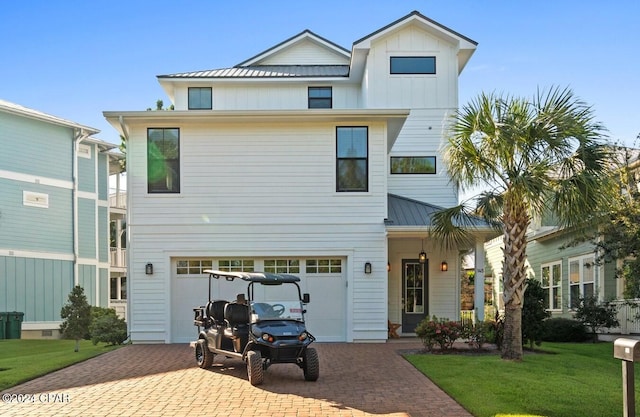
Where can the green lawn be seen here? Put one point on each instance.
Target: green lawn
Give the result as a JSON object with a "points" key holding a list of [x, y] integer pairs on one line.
{"points": [[576, 380], [22, 360]]}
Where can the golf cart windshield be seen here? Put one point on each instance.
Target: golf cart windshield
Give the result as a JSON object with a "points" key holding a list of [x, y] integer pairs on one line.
{"points": [[276, 302]]}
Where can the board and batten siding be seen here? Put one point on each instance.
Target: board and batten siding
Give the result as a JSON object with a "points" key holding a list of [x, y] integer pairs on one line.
{"points": [[306, 52], [87, 228], [36, 287], [257, 190]]}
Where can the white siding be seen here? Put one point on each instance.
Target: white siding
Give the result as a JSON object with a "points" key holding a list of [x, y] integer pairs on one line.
{"points": [[257, 190]]}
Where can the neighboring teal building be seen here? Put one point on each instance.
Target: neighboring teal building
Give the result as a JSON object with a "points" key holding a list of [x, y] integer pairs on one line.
{"points": [[54, 216]]}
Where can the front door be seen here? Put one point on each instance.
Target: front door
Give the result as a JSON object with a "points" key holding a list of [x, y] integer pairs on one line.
{"points": [[414, 294]]}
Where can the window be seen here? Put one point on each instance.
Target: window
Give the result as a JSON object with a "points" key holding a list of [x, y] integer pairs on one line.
{"points": [[200, 98], [320, 97], [236, 265], [581, 279], [413, 65], [193, 266], [551, 280], [324, 266], [118, 288], [352, 159], [282, 266], [163, 160], [413, 164]]}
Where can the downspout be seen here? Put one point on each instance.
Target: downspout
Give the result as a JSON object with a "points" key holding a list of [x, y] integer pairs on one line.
{"points": [[80, 135]]}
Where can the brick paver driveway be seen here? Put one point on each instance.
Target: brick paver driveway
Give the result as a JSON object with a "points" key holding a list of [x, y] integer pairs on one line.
{"points": [[163, 380]]}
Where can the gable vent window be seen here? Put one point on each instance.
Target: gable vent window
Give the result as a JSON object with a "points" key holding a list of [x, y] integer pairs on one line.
{"points": [[200, 98], [320, 97], [413, 65], [32, 199], [84, 151]]}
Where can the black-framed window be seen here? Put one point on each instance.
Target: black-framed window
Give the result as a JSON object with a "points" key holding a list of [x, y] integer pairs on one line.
{"points": [[163, 160], [200, 98], [320, 97], [352, 158], [413, 164], [413, 65]]}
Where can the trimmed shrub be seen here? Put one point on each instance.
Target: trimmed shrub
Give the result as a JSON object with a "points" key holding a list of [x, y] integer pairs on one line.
{"points": [[107, 327], [477, 335], [438, 332], [559, 329], [596, 315]]}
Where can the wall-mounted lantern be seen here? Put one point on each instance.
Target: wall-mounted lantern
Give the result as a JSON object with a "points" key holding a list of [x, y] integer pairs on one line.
{"points": [[444, 266], [148, 269], [367, 267]]}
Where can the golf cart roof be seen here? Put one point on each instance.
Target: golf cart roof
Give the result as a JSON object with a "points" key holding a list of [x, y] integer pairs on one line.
{"points": [[260, 277]]}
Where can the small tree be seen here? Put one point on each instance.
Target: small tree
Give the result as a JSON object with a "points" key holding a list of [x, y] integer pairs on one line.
{"points": [[533, 313], [596, 315], [76, 315]]}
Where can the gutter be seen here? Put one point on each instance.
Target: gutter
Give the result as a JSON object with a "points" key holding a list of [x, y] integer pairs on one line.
{"points": [[80, 135]]}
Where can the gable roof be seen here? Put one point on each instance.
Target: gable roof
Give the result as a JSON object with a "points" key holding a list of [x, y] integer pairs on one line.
{"points": [[267, 65]]}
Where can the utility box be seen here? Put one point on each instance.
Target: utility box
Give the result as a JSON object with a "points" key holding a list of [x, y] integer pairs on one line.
{"points": [[627, 349]]}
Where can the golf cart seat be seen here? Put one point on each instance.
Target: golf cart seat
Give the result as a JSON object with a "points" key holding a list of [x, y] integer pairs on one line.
{"points": [[215, 311], [237, 318]]}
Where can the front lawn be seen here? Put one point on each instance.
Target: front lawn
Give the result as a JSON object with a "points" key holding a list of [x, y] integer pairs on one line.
{"points": [[572, 380], [22, 360]]}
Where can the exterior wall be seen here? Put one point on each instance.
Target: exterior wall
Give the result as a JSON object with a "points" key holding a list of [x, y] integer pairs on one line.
{"points": [[306, 52], [36, 287], [258, 190], [37, 243], [554, 249]]}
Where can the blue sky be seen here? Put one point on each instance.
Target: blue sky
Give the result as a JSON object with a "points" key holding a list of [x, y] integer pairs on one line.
{"points": [[75, 59]]}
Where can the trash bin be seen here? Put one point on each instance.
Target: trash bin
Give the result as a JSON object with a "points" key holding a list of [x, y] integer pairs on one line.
{"points": [[14, 324], [3, 324]]}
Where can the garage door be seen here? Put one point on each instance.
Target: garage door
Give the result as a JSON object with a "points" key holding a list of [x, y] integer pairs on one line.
{"points": [[324, 279]]}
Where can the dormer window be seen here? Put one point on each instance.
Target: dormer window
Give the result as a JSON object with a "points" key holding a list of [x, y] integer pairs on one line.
{"points": [[200, 98], [320, 97], [413, 65]]}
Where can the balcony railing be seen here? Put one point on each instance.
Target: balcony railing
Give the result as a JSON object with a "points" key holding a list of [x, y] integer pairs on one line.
{"points": [[118, 200], [118, 257]]}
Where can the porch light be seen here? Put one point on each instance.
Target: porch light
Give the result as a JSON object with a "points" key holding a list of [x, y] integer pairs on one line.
{"points": [[148, 269], [367, 267], [422, 256], [388, 266], [444, 266]]}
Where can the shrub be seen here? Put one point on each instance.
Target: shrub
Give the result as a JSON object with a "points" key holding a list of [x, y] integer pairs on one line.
{"points": [[107, 327], [477, 335], [533, 313], [596, 315], [559, 329], [440, 332]]}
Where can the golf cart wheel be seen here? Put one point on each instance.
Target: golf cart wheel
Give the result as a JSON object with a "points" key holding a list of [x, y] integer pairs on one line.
{"points": [[204, 357], [311, 365], [255, 370]]}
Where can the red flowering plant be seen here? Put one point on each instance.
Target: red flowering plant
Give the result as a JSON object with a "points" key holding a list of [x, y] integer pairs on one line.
{"points": [[438, 332]]}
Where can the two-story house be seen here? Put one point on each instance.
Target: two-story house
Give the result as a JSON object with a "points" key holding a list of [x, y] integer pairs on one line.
{"points": [[54, 216], [309, 159]]}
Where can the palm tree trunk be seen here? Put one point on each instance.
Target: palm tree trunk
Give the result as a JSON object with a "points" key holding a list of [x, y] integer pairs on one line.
{"points": [[514, 274]]}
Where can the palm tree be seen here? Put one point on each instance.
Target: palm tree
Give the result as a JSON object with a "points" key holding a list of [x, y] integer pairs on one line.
{"points": [[541, 156]]}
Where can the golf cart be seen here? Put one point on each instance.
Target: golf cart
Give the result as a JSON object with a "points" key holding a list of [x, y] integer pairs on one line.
{"points": [[264, 329]]}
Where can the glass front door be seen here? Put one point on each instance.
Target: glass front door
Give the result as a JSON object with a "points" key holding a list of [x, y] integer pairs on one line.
{"points": [[414, 294]]}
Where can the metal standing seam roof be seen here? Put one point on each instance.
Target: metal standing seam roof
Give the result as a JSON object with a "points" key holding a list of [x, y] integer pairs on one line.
{"points": [[403, 211], [268, 71]]}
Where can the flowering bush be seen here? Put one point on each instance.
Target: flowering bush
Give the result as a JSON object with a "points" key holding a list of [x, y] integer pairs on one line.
{"points": [[438, 332]]}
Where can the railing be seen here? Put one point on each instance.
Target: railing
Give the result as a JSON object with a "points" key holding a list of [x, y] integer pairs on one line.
{"points": [[120, 306], [467, 317], [628, 316], [118, 257], [118, 200]]}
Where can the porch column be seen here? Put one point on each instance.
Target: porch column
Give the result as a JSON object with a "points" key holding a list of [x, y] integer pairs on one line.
{"points": [[479, 280]]}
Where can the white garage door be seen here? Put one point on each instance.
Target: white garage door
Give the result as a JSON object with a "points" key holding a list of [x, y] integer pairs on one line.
{"points": [[324, 280]]}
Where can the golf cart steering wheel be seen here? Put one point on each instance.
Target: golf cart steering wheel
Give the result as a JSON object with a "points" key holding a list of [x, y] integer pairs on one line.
{"points": [[278, 309]]}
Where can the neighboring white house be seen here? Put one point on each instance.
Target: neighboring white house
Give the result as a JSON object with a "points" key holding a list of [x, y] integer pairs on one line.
{"points": [[309, 159]]}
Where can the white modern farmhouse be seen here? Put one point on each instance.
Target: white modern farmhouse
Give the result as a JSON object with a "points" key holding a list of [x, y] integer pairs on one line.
{"points": [[308, 159]]}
